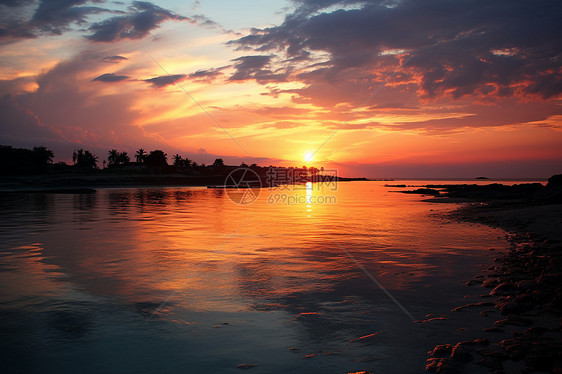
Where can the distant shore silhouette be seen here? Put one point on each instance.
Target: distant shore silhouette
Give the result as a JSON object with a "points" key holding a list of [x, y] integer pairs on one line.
{"points": [[34, 170]]}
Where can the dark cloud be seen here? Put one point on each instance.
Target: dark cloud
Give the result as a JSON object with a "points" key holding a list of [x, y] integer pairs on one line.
{"points": [[307, 7], [457, 48], [258, 68], [49, 18], [110, 78], [113, 59], [15, 3], [142, 18], [165, 80], [56, 17], [208, 74]]}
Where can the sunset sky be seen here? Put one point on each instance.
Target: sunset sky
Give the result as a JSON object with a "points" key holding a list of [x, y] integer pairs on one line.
{"points": [[382, 89]]}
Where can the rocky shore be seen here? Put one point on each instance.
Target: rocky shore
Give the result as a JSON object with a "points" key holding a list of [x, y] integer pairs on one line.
{"points": [[522, 290]]}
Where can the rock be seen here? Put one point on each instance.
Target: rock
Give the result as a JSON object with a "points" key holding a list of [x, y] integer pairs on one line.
{"points": [[450, 366], [490, 283], [482, 303], [442, 350], [423, 191], [460, 353], [482, 341], [514, 348], [438, 318], [554, 181], [246, 366], [516, 320], [432, 364], [509, 307], [505, 288], [473, 282]]}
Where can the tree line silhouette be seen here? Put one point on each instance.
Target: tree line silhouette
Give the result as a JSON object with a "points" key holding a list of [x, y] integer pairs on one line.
{"points": [[20, 161], [25, 161]]}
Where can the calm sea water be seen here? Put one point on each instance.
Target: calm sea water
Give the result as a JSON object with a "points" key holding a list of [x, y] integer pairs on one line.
{"points": [[183, 280]]}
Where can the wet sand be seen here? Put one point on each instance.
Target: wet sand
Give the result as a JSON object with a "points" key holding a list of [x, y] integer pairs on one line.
{"points": [[521, 297]]}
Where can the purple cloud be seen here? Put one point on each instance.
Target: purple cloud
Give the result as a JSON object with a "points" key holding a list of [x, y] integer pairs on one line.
{"points": [[165, 80], [110, 78]]}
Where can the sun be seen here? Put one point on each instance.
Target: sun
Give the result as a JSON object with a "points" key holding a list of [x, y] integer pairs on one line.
{"points": [[308, 156]]}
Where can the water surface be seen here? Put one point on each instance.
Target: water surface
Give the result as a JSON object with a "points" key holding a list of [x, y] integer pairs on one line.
{"points": [[184, 280]]}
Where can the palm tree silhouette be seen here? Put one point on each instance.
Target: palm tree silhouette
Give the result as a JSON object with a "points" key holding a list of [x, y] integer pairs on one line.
{"points": [[178, 161], [122, 158], [140, 155], [84, 159], [113, 157]]}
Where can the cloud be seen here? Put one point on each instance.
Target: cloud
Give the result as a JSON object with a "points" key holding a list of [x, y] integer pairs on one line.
{"points": [[509, 113], [143, 17], [110, 78], [15, 3], [114, 59], [165, 80], [15, 86], [49, 18], [457, 49], [57, 17], [66, 111], [208, 74], [21, 127], [258, 68]]}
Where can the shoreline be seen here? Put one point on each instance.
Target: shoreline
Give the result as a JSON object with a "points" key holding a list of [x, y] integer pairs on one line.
{"points": [[88, 182], [522, 292]]}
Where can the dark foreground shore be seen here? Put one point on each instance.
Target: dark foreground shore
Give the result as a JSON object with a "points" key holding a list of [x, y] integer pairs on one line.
{"points": [[521, 299]]}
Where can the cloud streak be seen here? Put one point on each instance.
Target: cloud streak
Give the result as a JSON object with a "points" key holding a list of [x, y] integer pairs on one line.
{"points": [[165, 80], [110, 78]]}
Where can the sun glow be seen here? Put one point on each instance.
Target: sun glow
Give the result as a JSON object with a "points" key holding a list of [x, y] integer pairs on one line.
{"points": [[308, 156]]}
